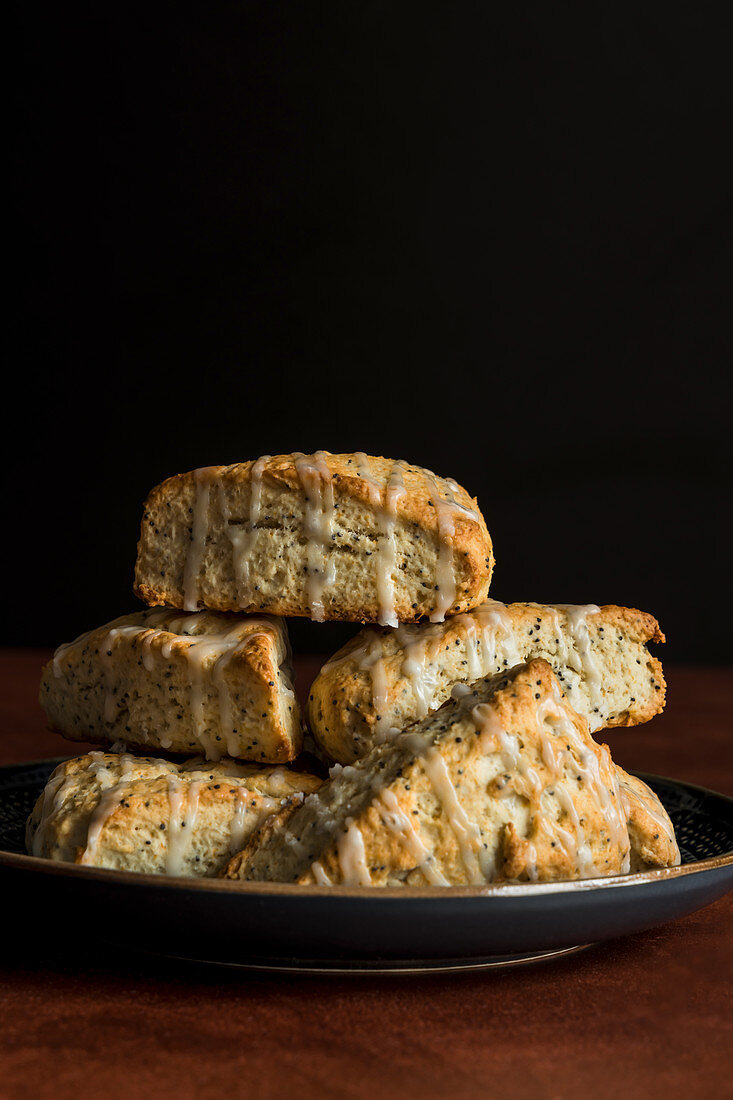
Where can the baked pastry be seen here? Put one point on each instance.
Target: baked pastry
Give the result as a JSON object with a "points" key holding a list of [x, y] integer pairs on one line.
{"points": [[206, 683], [503, 783], [325, 536], [140, 814], [653, 842], [382, 680]]}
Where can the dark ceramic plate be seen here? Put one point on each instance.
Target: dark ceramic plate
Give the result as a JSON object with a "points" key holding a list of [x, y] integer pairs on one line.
{"points": [[335, 929]]}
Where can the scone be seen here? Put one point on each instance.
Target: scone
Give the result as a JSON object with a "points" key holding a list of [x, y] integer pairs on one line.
{"points": [[382, 680], [652, 841], [324, 536], [220, 685], [503, 783], [139, 814]]}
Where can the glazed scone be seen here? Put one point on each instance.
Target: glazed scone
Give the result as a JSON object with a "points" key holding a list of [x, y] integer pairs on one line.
{"points": [[220, 685], [503, 783], [382, 680], [324, 536], [653, 843], [140, 814]]}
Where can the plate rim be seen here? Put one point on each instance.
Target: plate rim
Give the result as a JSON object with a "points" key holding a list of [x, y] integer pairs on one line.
{"points": [[57, 868], [366, 968]]}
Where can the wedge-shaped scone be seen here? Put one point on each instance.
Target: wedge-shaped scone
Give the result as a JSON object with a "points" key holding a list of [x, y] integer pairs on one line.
{"points": [[503, 783], [653, 843], [206, 683], [325, 536], [140, 814], [382, 680]]}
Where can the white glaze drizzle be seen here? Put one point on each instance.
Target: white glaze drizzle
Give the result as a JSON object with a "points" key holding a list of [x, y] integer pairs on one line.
{"points": [[445, 574], [399, 823], [108, 800], [238, 827], [183, 809], [627, 797], [222, 648], [364, 468], [146, 643], [531, 862], [583, 855], [316, 479], [567, 840], [202, 479], [580, 757], [372, 660], [260, 805], [467, 833], [196, 653], [386, 513], [486, 630], [422, 673], [243, 537], [319, 874], [581, 656], [224, 700], [55, 793], [446, 510], [393, 493], [352, 856], [55, 787], [564, 747]]}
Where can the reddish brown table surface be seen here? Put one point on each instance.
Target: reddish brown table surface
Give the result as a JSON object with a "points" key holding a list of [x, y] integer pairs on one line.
{"points": [[648, 1016]]}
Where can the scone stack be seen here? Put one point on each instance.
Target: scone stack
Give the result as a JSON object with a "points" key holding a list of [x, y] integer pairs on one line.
{"points": [[459, 729]]}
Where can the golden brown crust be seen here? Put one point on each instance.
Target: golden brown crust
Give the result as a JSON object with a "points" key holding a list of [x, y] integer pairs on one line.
{"points": [[383, 680], [278, 584], [415, 507], [641, 626]]}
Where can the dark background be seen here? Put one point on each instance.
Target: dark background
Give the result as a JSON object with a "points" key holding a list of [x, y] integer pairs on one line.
{"points": [[492, 240]]}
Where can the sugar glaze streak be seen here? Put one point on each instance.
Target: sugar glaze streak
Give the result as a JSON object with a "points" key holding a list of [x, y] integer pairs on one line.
{"points": [[243, 537], [386, 513], [317, 481], [202, 479]]}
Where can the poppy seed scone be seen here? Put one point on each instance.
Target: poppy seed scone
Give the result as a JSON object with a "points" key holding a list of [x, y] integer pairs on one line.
{"points": [[139, 814], [503, 783], [382, 680], [219, 685], [653, 843], [322, 536]]}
